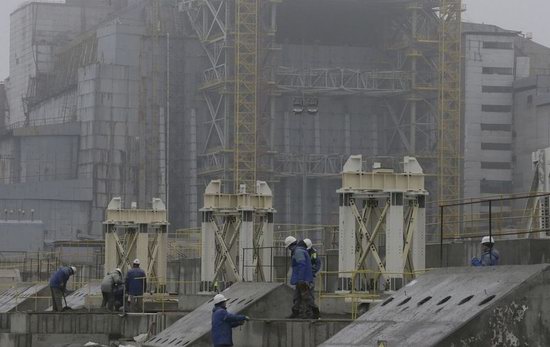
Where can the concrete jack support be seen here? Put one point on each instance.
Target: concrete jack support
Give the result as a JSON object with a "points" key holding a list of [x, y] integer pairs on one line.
{"points": [[392, 209], [237, 236], [137, 233]]}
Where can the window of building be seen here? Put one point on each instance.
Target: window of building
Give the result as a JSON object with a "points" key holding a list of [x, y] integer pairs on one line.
{"points": [[496, 89], [496, 127], [496, 108], [496, 146], [498, 71], [495, 165], [495, 187], [498, 45]]}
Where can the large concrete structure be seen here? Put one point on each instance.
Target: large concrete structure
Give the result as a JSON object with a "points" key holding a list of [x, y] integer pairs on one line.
{"points": [[494, 59], [92, 113]]}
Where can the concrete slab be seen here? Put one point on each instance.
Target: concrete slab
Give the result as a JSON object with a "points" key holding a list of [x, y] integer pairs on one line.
{"points": [[77, 299], [271, 300], [17, 294], [460, 306]]}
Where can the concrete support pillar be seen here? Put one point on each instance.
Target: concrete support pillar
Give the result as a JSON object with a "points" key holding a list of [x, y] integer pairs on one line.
{"points": [[208, 251], [266, 253], [347, 240], [394, 236], [419, 237], [142, 246], [246, 246], [111, 254], [161, 258]]}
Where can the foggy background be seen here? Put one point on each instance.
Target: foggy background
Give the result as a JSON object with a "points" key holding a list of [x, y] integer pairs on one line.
{"points": [[523, 15]]}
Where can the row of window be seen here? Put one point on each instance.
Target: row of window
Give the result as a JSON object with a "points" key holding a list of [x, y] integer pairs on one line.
{"points": [[496, 146], [507, 71], [498, 45], [495, 187], [497, 89], [496, 108]]}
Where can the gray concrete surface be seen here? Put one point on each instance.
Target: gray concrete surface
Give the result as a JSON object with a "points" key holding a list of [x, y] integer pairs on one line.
{"points": [[491, 306]]}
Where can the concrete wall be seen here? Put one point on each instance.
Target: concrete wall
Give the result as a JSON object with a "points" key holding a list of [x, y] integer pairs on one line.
{"points": [[21, 236], [531, 124], [488, 129]]}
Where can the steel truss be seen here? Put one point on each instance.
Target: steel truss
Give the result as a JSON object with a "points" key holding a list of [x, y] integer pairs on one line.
{"points": [[394, 211], [237, 236], [137, 233]]}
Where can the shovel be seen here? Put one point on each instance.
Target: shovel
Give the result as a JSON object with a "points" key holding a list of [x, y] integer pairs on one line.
{"points": [[66, 308]]}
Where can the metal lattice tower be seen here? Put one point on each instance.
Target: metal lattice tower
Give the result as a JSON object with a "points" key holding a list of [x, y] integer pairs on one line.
{"points": [[246, 92], [450, 53]]}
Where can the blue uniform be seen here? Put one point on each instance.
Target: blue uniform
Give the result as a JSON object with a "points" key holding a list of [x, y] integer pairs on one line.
{"points": [[315, 261], [222, 324], [488, 258], [136, 281], [301, 265], [60, 277]]}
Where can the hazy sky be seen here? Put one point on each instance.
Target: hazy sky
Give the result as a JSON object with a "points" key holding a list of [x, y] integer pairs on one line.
{"points": [[524, 15]]}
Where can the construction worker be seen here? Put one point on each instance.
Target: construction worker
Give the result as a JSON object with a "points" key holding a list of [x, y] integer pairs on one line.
{"points": [[109, 286], [489, 254], [302, 277], [58, 285], [223, 322], [136, 282], [315, 267]]}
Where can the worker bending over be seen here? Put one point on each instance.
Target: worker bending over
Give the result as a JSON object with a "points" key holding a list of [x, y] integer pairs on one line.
{"points": [[109, 286], [58, 285]]}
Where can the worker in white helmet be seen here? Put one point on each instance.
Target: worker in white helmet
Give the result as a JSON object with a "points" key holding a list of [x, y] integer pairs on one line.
{"points": [[315, 267], [136, 282], [489, 254], [302, 277], [58, 285], [223, 322], [109, 286]]}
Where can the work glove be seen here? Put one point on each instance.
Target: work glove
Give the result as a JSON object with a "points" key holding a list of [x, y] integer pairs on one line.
{"points": [[246, 318]]}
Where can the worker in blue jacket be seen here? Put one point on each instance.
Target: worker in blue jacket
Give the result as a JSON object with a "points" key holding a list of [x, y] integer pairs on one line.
{"points": [[223, 322], [136, 282], [58, 285], [302, 277], [489, 254], [315, 268]]}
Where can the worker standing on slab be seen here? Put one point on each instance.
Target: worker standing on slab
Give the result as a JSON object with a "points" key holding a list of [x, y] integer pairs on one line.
{"points": [[109, 286], [223, 322], [489, 254], [58, 285], [302, 277], [315, 268], [136, 282]]}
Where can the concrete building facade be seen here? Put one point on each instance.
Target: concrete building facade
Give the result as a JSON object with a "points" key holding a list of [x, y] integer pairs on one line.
{"points": [[494, 59]]}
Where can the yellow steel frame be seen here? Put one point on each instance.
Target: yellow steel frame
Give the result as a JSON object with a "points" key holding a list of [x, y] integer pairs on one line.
{"points": [[246, 92], [450, 62]]}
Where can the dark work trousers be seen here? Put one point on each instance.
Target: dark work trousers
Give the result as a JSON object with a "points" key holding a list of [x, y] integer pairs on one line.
{"points": [[57, 296], [108, 300], [302, 302], [314, 307]]}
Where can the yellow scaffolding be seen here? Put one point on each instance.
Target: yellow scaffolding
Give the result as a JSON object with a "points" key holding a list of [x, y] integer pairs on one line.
{"points": [[450, 62], [246, 92]]}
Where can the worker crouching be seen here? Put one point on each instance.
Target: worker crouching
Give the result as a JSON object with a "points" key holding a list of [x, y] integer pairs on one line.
{"points": [[110, 286]]}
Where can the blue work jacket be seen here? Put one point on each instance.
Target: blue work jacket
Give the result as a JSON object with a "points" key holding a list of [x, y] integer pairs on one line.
{"points": [[301, 265], [488, 258], [136, 281], [60, 277], [315, 261], [222, 324]]}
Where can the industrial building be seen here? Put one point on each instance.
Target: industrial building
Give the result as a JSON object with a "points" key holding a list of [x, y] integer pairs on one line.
{"points": [[196, 134], [94, 99]]}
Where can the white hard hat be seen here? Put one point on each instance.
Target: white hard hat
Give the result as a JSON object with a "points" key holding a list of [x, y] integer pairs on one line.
{"points": [[308, 243], [136, 261], [74, 269], [219, 298], [487, 239], [118, 270], [289, 240]]}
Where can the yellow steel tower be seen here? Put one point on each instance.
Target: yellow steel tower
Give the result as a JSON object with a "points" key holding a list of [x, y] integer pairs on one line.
{"points": [[449, 148], [246, 92]]}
